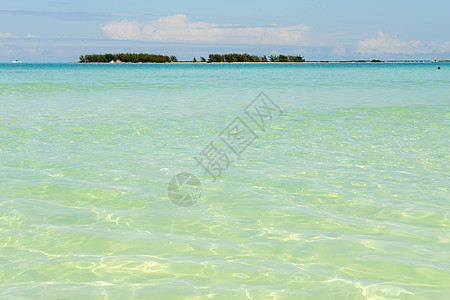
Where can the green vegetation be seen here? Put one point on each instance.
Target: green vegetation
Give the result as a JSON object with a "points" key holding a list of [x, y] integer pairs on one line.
{"points": [[127, 57], [212, 58], [235, 57], [286, 58]]}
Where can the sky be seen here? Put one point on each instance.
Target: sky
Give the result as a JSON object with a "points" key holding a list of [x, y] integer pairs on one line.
{"points": [[61, 31]]}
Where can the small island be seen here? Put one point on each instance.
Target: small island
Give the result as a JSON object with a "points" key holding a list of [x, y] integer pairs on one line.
{"points": [[127, 58], [212, 58], [223, 58], [235, 57]]}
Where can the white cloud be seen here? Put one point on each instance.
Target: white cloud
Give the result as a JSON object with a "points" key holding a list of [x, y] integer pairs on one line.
{"points": [[175, 28], [384, 44], [12, 35], [339, 49], [444, 48], [129, 30], [7, 34]]}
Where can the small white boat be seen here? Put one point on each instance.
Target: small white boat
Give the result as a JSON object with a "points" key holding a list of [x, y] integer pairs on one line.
{"points": [[112, 62], [16, 61]]}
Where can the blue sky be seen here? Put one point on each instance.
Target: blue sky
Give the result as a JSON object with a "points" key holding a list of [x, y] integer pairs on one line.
{"points": [[60, 31]]}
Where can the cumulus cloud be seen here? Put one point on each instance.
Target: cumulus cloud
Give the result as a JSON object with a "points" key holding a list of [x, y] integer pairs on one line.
{"points": [[176, 28], [384, 44]]}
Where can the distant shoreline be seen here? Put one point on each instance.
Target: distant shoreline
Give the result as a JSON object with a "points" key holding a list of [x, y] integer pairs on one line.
{"points": [[228, 58], [321, 62], [380, 61], [279, 62]]}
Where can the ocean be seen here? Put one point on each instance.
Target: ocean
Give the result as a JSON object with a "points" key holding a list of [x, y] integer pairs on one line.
{"points": [[225, 181]]}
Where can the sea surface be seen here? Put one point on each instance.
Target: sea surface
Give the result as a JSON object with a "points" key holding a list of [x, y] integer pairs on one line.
{"points": [[289, 181]]}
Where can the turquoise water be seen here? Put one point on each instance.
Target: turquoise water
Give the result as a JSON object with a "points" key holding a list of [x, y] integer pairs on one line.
{"points": [[343, 195]]}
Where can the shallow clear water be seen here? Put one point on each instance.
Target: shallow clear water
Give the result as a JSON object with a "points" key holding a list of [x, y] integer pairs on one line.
{"points": [[342, 196]]}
